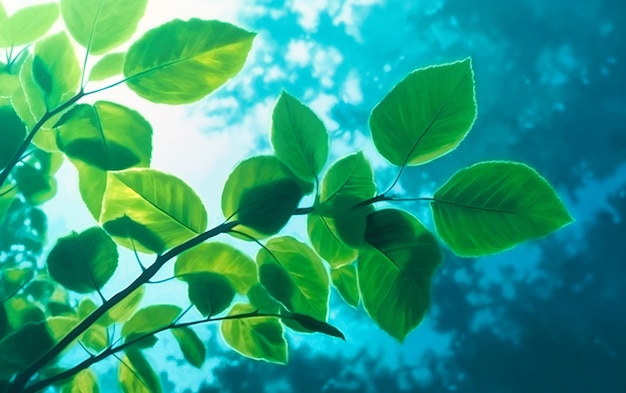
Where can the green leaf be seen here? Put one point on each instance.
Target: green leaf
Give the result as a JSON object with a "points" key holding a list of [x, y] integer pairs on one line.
{"points": [[426, 115], [326, 241], [8, 83], [92, 183], [161, 203], [20, 311], [295, 276], [261, 194], [8, 194], [136, 375], [96, 338], [262, 301], [298, 137], [36, 186], [83, 382], [22, 347], [218, 258], [108, 66], [190, 344], [315, 325], [101, 25], [13, 133], [60, 326], [85, 308], [83, 262], [394, 270], [211, 293], [29, 100], [56, 69], [349, 179], [255, 337], [493, 206], [5, 327], [344, 278], [106, 135], [124, 309], [151, 318], [28, 24], [183, 61]]}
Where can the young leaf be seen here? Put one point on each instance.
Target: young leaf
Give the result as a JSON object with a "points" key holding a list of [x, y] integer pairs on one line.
{"points": [[394, 270], [22, 347], [56, 69], [345, 280], [92, 182], [211, 293], [349, 178], [315, 325], [13, 133], [161, 203], [106, 135], [426, 115], [255, 337], [83, 262], [60, 326], [29, 101], [190, 344], [199, 57], [136, 375], [493, 206], [150, 319], [28, 24], [295, 276], [96, 338], [124, 309], [83, 382], [261, 194], [101, 25], [298, 137], [108, 66], [326, 241], [219, 258]]}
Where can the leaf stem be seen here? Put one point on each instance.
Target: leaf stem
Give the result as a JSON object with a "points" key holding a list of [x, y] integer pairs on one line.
{"points": [[20, 382]]}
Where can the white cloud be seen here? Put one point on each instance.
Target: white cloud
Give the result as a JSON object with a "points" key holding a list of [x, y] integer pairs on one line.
{"points": [[299, 53], [351, 89]]}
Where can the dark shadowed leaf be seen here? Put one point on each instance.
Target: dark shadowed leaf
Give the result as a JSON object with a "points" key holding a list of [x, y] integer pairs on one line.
{"points": [[493, 206], [315, 325], [36, 186], [255, 337], [83, 262], [395, 267], [13, 133], [190, 344], [426, 115], [22, 347], [211, 293], [102, 25], [183, 61], [298, 137]]}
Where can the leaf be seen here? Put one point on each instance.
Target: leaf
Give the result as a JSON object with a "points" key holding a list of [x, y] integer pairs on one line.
{"points": [[394, 270], [108, 66], [262, 301], [56, 69], [8, 195], [13, 133], [85, 308], [183, 61], [96, 338], [106, 135], [92, 182], [190, 344], [426, 115], [255, 337], [261, 194], [9, 83], [83, 382], [22, 347], [492, 206], [295, 276], [136, 375], [5, 327], [211, 293], [315, 325], [124, 309], [298, 137], [344, 279], [326, 241], [60, 326], [149, 319], [29, 100], [161, 203], [349, 179], [83, 262], [101, 25], [35, 186], [218, 258], [28, 24]]}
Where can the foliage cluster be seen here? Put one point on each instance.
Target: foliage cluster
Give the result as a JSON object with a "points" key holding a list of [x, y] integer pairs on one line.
{"points": [[383, 259]]}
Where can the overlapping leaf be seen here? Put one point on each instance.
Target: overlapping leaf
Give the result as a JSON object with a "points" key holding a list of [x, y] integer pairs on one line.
{"points": [[27, 24], [149, 319], [190, 344], [493, 206], [13, 133], [426, 115], [136, 375], [344, 278], [83, 381], [108, 66]]}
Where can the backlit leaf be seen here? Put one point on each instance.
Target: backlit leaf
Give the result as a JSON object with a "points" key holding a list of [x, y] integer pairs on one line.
{"points": [[211, 293], [326, 241], [295, 276], [108, 66], [83, 262], [136, 375], [83, 382], [344, 278], [394, 270], [124, 309], [150, 318], [28, 24], [60, 326], [255, 337], [190, 344], [299, 137], [92, 182], [161, 203], [350, 178], [183, 61], [492, 206], [102, 25], [426, 115]]}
